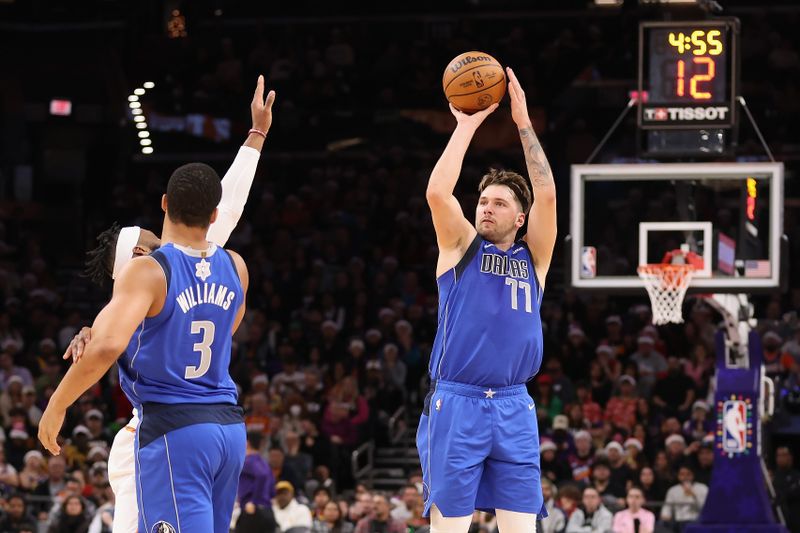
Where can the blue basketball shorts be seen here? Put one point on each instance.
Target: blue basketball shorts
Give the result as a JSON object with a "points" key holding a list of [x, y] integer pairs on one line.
{"points": [[187, 477], [479, 449]]}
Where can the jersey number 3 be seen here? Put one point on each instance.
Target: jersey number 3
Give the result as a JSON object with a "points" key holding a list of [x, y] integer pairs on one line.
{"points": [[206, 327], [515, 286]]}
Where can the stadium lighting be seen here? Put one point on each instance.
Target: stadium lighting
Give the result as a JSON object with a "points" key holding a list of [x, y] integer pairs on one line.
{"points": [[144, 134], [139, 92], [133, 98], [149, 85], [145, 142], [147, 150], [141, 125], [138, 118], [137, 112], [135, 105]]}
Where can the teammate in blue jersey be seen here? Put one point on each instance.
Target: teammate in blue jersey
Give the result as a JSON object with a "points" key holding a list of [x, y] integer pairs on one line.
{"points": [[478, 439], [172, 315]]}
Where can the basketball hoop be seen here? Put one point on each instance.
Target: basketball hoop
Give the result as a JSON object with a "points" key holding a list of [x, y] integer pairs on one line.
{"points": [[666, 285]]}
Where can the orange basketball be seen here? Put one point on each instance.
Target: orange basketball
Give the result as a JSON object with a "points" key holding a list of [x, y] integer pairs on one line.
{"points": [[473, 81]]}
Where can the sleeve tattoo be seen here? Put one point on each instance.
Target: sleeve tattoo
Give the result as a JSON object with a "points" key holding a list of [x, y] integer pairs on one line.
{"points": [[538, 168]]}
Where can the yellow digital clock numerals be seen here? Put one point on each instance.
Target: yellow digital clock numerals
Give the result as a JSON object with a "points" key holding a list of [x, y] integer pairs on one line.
{"points": [[699, 42]]}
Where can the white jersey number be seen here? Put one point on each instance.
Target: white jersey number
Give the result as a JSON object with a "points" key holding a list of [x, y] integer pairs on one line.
{"points": [[205, 327], [515, 286]]}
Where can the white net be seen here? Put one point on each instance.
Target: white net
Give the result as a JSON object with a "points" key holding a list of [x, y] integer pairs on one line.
{"points": [[666, 285]]}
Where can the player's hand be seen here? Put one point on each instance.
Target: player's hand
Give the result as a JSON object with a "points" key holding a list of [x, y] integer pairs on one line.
{"points": [[474, 120], [49, 426], [260, 109], [78, 344], [519, 106]]}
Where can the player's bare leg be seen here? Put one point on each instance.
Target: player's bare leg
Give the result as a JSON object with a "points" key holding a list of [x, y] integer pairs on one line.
{"points": [[450, 524], [513, 522]]}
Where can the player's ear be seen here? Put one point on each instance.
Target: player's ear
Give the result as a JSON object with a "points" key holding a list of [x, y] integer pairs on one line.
{"points": [[520, 220], [214, 215], [164, 202]]}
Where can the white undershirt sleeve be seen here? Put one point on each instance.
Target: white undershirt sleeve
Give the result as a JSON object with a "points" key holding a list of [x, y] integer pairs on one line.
{"points": [[235, 189]]}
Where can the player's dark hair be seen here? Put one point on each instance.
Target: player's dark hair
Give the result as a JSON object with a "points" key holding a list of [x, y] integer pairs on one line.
{"points": [[193, 192], [100, 261], [254, 439], [512, 180]]}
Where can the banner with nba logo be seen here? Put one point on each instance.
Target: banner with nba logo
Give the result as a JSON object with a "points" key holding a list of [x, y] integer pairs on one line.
{"points": [[734, 425]]}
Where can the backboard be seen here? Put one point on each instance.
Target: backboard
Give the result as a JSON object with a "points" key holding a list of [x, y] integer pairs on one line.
{"points": [[730, 214]]}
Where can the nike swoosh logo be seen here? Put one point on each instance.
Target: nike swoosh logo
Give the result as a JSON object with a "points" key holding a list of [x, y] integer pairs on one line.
{"points": [[485, 246], [531, 406]]}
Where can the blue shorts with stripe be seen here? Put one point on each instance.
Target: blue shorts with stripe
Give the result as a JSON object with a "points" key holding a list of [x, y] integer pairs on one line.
{"points": [[479, 449], [188, 461]]}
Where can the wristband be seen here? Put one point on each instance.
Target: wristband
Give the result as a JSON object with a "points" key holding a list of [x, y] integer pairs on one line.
{"points": [[259, 132]]}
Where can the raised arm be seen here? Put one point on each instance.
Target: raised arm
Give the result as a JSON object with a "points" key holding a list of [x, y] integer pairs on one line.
{"points": [[453, 231], [237, 181], [541, 235], [139, 291]]}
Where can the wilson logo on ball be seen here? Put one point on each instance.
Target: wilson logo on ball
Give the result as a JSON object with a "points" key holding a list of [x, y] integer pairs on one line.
{"points": [[456, 66]]}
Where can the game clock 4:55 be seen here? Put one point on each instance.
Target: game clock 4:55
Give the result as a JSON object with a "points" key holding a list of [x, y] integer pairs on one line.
{"points": [[688, 74]]}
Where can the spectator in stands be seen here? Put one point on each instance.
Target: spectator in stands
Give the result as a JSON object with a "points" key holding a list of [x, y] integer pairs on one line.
{"points": [[786, 479], [704, 462], [56, 481], [321, 497], [17, 518], [548, 405], [553, 467], [296, 460], [569, 496], [380, 521], [73, 516], [699, 425], [331, 520], [582, 460], [654, 489], [599, 380], [8, 370], [634, 458], [289, 513], [256, 483], [684, 500], [699, 367], [76, 450], [592, 412], [98, 434], [674, 393], [404, 508], [620, 472], [555, 521], [675, 446], [649, 362], [34, 473], [776, 362], [592, 516], [621, 409], [611, 493], [9, 477], [634, 519]]}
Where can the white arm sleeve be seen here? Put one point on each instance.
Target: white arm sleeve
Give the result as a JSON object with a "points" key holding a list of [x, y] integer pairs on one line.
{"points": [[235, 189]]}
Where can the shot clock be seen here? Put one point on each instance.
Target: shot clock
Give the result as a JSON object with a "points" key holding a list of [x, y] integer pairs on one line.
{"points": [[687, 74]]}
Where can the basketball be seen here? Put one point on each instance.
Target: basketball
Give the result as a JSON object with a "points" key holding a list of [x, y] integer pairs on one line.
{"points": [[473, 81]]}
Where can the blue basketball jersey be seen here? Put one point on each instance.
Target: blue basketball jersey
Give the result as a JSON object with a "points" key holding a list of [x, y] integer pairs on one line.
{"points": [[490, 331], [182, 354]]}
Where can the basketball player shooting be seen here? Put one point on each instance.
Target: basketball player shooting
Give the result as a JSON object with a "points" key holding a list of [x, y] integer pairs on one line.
{"points": [[478, 438], [183, 302], [118, 246]]}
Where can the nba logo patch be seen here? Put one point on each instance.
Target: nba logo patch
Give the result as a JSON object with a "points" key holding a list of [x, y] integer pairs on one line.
{"points": [[734, 426], [588, 262]]}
